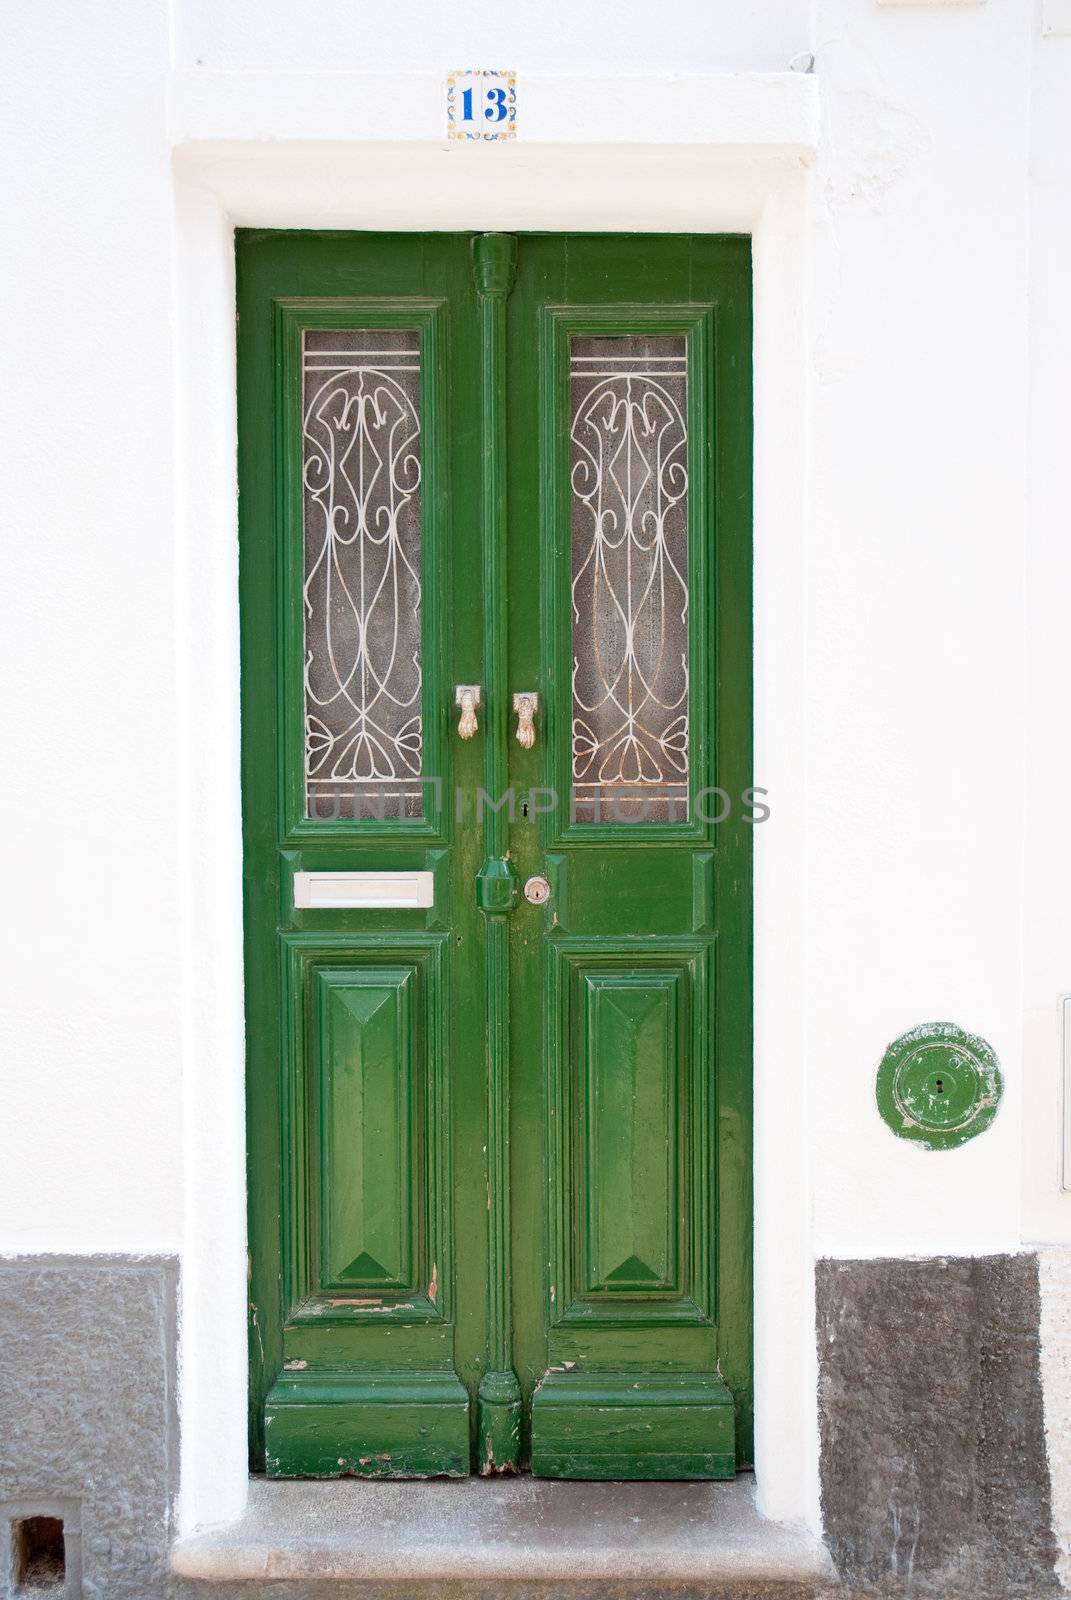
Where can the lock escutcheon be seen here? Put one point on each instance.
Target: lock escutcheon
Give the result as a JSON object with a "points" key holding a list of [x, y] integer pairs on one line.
{"points": [[536, 890]]}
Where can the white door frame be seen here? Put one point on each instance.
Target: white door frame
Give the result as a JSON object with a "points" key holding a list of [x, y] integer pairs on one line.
{"points": [[744, 166]]}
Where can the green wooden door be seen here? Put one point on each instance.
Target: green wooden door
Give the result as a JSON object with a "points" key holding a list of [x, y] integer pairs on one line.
{"points": [[496, 658]]}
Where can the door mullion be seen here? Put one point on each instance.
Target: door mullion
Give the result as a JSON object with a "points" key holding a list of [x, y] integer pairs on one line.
{"points": [[499, 1397]]}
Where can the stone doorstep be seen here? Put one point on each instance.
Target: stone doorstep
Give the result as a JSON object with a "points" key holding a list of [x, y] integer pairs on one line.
{"points": [[522, 1530]]}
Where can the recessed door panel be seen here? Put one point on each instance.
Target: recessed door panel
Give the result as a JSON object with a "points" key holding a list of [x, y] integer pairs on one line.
{"points": [[631, 1172], [367, 1161], [626, 1181], [369, 1116]]}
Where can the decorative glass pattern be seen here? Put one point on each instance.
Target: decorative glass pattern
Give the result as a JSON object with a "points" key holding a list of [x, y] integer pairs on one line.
{"points": [[629, 494], [362, 599]]}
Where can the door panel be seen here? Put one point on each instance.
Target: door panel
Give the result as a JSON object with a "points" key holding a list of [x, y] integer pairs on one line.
{"points": [[369, 1087], [368, 1253], [605, 1425], [371, 1099], [625, 528], [370, 1424], [627, 1096], [499, 1150], [629, 568], [363, 469], [627, 1116], [629, 591], [365, 1084]]}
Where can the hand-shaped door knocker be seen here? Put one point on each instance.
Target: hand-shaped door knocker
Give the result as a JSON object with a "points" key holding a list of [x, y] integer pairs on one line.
{"points": [[467, 696], [526, 705]]}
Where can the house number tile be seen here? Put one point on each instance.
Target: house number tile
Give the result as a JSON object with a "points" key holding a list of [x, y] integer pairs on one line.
{"points": [[481, 106]]}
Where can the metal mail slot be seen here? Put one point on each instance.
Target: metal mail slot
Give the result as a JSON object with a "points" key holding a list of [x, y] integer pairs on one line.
{"points": [[370, 891]]}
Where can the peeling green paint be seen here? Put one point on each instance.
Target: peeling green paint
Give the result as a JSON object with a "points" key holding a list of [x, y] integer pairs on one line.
{"points": [[939, 1086]]}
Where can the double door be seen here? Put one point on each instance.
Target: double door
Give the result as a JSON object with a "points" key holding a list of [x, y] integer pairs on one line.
{"points": [[496, 662]]}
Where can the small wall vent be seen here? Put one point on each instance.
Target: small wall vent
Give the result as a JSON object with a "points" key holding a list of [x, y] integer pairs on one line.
{"points": [[38, 1556], [40, 1550]]}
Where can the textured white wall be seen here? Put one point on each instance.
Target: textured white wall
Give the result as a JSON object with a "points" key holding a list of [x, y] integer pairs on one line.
{"points": [[1047, 730], [542, 36], [90, 1157], [914, 601], [1046, 782]]}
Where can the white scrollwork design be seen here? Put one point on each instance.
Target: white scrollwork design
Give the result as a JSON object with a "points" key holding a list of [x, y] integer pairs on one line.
{"points": [[630, 577], [362, 590]]}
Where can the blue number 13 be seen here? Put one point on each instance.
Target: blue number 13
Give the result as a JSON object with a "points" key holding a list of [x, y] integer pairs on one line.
{"points": [[494, 111]]}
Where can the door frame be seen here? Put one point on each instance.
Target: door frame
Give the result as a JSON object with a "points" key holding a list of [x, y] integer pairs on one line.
{"points": [[720, 184]]}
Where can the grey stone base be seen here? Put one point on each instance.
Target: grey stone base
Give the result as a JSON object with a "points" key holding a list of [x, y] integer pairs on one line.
{"points": [[87, 1414], [934, 1472]]}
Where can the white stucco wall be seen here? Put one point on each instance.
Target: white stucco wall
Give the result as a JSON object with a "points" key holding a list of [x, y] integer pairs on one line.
{"points": [[915, 601], [1047, 736], [1046, 726], [89, 1151], [912, 347], [553, 38]]}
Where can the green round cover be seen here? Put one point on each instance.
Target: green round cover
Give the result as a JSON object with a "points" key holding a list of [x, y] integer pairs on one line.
{"points": [[939, 1085]]}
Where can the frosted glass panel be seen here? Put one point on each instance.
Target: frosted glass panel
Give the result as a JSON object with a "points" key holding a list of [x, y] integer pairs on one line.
{"points": [[361, 463], [629, 493]]}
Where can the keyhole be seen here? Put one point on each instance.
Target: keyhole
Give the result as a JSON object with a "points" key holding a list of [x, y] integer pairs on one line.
{"points": [[940, 1086]]}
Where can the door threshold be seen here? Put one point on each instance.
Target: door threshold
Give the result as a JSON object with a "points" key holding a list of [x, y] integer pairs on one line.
{"points": [[536, 1533]]}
